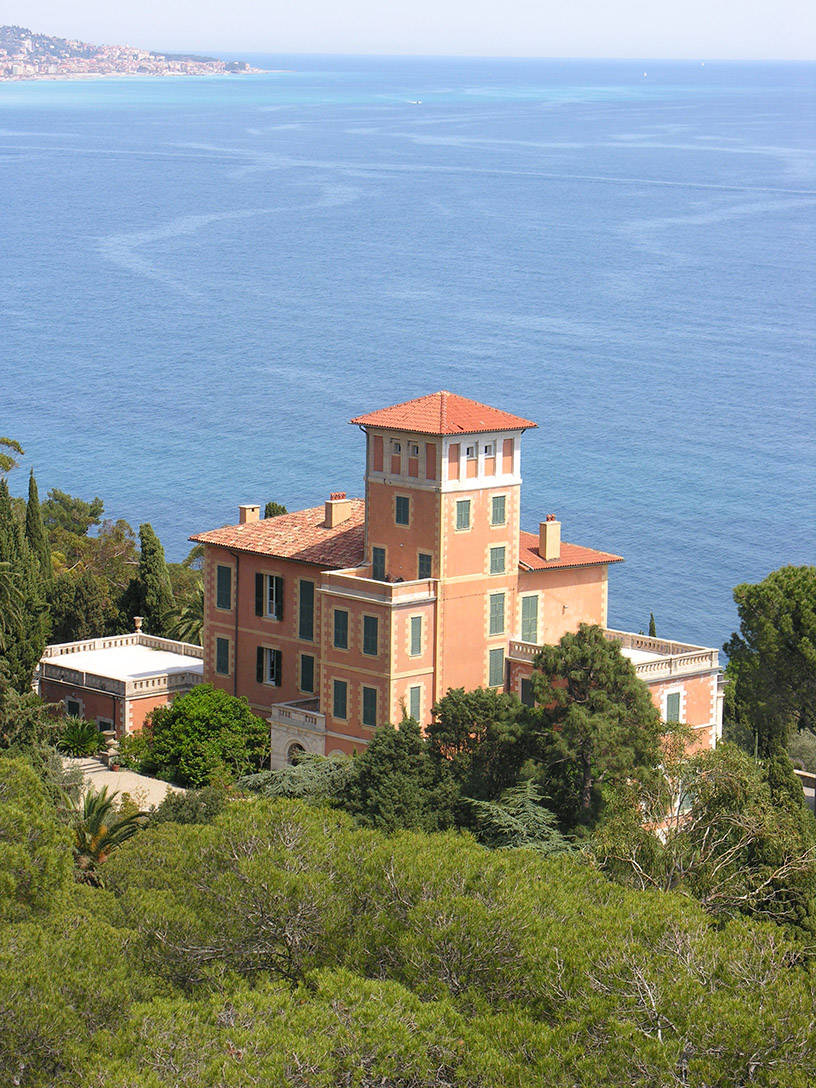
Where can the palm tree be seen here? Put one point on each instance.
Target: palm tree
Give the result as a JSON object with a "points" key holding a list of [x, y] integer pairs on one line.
{"points": [[98, 831], [186, 623]]}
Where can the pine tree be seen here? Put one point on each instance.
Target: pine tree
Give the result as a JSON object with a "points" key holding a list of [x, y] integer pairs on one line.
{"points": [[36, 535], [24, 625], [652, 626], [151, 594]]}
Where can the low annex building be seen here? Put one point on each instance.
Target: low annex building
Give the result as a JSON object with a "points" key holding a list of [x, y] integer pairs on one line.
{"points": [[336, 619], [117, 681]]}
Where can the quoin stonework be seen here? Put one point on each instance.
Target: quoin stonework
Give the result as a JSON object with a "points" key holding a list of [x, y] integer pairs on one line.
{"points": [[336, 619]]}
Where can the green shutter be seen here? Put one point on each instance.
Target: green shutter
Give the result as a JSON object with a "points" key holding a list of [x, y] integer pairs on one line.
{"points": [[259, 665], [673, 707], [497, 560], [499, 513], [371, 631], [414, 695], [527, 696], [529, 619], [340, 699], [463, 513], [223, 587], [424, 565], [378, 564], [306, 672], [278, 597], [259, 594], [370, 706], [306, 611], [416, 635], [496, 613], [340, 629], [496, 668], [222, 656], [277, 667]]}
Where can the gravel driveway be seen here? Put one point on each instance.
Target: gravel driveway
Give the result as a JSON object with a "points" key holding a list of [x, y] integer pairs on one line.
{"points": [[146, 792]]}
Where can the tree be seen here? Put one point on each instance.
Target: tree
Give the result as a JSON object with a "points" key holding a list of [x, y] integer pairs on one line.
{"points": [[594, 724], [518, 819], [396, 784], [81, 607], [24, 624], [314, 778], [736, 836], [652, 626], [34, 847], [9, 453], [203, 733], [481, 737], [187, 621], [36, 535], [71, 514], [274, 510], [151, 594], [99, 830], [772, 666]]}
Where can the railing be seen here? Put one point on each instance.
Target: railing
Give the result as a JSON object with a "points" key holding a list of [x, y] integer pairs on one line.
{"points": [[356, 582], [298, 715], [170, 681], [673, 658], [76, 678], [135, 638]]}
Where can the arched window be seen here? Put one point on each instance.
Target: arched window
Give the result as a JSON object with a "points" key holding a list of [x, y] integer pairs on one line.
{"points": [[294, 752]]}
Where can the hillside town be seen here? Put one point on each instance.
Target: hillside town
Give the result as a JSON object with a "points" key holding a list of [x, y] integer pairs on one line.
{"points": [[26, 55]]}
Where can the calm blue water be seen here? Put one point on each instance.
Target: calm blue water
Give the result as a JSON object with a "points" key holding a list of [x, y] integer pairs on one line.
{"points": [[202, 280]]}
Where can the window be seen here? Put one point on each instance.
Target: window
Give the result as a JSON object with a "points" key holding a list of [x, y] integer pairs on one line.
{"points": [[340, 699], [495, 676], [490, 449], [306, 611], [268, 666], [497, 559], [371, 635], [73, 708], [378, 564], [413, 449], [498, 510], [424, 565], [223, 587], [496, 613], [414, 698], [402, 512], [306, 672], [269, 596], [222, 656], [529, 619], [527, 696], [471, 452], [396, 447], [340, 629], [104, 724], [673, 707], [416, 636], [463, 513], [370, 706]]}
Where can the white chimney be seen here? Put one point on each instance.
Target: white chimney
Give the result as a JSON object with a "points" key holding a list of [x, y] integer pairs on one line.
{"points": [[549, 538], [338, 509], [248, 512]]}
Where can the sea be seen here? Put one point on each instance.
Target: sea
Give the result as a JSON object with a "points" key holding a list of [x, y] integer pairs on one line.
{"points": [[203, 279]]}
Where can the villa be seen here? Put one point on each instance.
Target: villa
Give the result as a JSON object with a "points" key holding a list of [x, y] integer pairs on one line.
{"points": [[336, 619]]}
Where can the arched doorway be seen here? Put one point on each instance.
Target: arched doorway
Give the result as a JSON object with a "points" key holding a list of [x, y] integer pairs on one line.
{"points": [[294, 752]]}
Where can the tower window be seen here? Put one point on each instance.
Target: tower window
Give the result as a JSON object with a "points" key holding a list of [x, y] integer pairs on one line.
{"points": [[495, 677], [497, 559], [490, 449], [498, 510], [471, 452], [402, 510], [340, 699], [413, 449], [223, 587], [370, 706], [340, 629], [424, 565], [496, 614], [463, 513], [378, 564]]}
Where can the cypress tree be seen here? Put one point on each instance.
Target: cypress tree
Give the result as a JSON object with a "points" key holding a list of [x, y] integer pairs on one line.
{"points": [[36, 535], [153, 599], [652, 626], [25, 624]]}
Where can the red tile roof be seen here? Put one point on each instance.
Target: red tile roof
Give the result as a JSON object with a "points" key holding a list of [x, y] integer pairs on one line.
{"points": [[572, 555], [302, 535], [443, 413]]}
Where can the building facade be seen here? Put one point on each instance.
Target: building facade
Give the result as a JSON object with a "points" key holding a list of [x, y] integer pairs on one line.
{"points": [[339, 618]]}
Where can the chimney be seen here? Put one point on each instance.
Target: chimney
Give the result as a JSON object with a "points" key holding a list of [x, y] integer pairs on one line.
{"points": [[549, 538], [338, 509], [248, 512]]}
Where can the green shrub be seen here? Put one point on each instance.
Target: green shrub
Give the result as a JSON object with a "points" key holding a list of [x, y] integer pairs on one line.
{"points": [[802, 750], [133, 750], [190, 806], [80, 738]]}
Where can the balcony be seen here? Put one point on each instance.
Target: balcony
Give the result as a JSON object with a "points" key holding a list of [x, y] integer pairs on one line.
{"points": [[356, 582], [299, 714], [653, 658]]}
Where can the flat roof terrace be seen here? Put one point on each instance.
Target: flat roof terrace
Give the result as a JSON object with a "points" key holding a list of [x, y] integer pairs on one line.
{"points": [[130, 665]]}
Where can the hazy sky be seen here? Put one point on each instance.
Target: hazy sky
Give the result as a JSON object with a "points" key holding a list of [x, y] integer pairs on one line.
{"points": [[545, 28]]}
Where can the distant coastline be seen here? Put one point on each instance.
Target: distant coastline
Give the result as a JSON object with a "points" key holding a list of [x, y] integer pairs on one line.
{"points": [[25, 55]]}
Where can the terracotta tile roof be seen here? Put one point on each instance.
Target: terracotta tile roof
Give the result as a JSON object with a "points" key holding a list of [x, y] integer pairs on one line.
{"points": [[443, 413], [301, 535], [572, 555]]}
